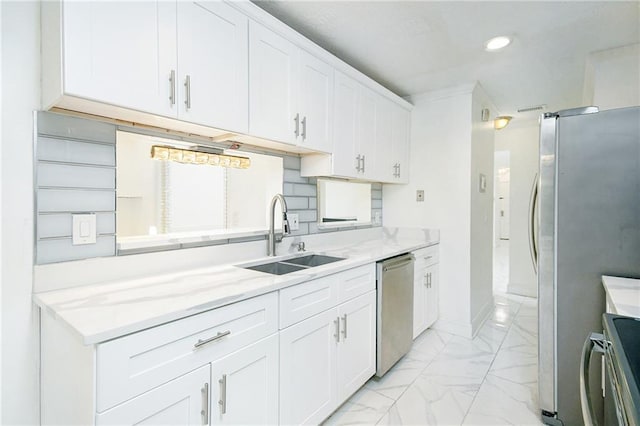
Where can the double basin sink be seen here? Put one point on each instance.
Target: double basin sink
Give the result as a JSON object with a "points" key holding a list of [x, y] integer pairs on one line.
{"points": [[285, 266]]}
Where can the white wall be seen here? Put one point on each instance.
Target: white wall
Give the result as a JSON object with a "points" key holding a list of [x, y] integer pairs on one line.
{"points": [[20, 97], [612, 78], [482, 153], [440, 165], [521, 139]]}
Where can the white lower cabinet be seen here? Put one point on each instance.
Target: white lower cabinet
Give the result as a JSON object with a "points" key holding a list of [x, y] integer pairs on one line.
{"points": [[325, 359], [245, 385], [425, 289], [308, 369], [182, 401], [357, 346], [229, 365]]}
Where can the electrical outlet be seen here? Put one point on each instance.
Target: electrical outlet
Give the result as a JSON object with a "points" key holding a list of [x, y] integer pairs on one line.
{"points": [[420, 195], [294, 224], [377, 218]]}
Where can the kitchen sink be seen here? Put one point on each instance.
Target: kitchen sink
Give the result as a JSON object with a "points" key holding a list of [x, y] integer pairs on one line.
{"points": [[312, 260], [276, 268], [293, 264]]}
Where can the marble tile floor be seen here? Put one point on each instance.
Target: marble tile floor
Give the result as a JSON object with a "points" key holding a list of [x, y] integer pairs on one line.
{"points": [[451, 380]]}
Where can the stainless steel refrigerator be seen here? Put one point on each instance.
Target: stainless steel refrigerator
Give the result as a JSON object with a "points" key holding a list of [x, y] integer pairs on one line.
{"points": [[588, 226]]}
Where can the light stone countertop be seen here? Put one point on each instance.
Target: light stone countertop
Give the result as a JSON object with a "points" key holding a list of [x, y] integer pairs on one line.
{"points": [[100, 312], [623, 295]]}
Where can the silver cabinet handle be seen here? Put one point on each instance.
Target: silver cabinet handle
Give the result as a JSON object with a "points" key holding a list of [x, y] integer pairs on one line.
{"points": [[429, 279], [358, 163], [218, 336], [337, 333], [297, 120], [425, 280], [428, 257], [363, 164], [223, 394], [187, 86], [344, 327], [205, 404], [172, 92], [398, 170], [594, 343], [304, 128]]}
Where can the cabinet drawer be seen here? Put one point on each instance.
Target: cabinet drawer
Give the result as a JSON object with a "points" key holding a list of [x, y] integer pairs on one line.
{"points": [[305, 300], [357, 281], [427, 256], [133, 364]]}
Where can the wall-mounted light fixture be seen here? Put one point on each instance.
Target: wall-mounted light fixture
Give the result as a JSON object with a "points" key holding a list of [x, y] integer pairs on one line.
{"points": [[200, 155], [501, 122]]}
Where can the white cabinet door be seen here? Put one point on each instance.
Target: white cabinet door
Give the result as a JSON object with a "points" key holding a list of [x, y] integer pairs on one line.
{"points": [[121, 53], [400, 130], [273, 86], [357, 347], [385, 160], [345, 110], [316, 103], [419, 299], [366, 131], [182, 401], [213, 65], [308, 369], [245, 385], [431, 308]]}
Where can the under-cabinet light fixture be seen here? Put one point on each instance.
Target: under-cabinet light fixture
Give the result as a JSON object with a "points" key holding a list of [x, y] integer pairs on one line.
{"points": [[501, 122], [198, 156]]}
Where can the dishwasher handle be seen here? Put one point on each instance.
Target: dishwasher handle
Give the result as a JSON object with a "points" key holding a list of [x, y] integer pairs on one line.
{"points": [[398, 263]]}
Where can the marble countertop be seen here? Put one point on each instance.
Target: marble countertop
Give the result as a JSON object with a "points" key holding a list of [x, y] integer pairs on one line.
{"points": [[101, 312], [623, 294]]}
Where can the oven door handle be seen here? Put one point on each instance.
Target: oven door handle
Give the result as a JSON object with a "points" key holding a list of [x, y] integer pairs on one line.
{"points": [[595, 342]]}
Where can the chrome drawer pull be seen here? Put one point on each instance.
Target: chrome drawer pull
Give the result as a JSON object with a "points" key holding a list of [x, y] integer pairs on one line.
{"points": [[172, 93], [211, 339], [337, 333], [205, 404], [223, 394], [344, 329]]}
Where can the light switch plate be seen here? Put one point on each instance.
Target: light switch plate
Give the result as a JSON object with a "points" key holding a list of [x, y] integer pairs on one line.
{"points": [[294, 224], [420, 195], [84, 229]]}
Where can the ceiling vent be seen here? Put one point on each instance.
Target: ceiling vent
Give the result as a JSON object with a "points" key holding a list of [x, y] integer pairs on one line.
{"points": [[533, 108]]}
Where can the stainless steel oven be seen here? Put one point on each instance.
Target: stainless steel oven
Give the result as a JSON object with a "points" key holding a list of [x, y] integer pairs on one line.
{"points": [[620, 346]]}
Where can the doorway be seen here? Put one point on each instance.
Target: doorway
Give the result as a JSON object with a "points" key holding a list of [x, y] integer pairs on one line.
{"points": [[501, 202]]}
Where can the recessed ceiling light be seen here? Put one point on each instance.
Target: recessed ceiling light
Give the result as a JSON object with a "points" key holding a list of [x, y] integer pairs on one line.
{"points": [[497, 43]]}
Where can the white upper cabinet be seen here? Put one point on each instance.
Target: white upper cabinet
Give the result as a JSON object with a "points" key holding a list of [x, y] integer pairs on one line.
{"points": [[291, 92], [183, 60], [385, 164], [273, 85], [212, 83], [400, 141], [366, 133], [316, 103], [121, 53], [346, 162]]}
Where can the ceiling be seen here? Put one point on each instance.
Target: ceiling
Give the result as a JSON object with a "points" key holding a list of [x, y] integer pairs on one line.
{"points": [[412, 47]]}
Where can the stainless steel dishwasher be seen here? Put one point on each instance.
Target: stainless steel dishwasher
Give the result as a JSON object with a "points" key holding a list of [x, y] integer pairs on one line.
{"points": [[395, 311]]}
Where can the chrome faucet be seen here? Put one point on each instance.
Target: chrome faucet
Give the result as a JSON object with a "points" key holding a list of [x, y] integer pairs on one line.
{"points": [[271, 248]]}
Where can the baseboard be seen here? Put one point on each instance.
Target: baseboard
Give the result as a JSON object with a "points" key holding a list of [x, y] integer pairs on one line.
{"points": [[522, 290], [482, 316]]}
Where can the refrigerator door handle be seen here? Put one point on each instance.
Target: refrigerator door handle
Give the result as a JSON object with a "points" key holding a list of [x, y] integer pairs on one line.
{"points": [[595, 342], [533, 238]]}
